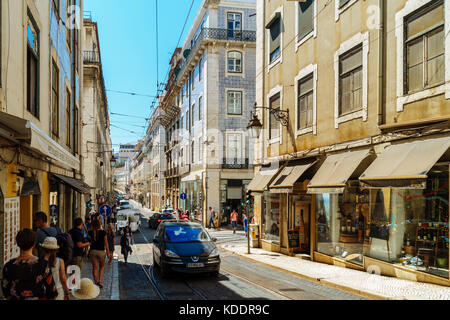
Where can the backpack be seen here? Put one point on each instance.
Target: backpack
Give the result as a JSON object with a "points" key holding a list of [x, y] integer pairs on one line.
{"points": [[65, 243]]}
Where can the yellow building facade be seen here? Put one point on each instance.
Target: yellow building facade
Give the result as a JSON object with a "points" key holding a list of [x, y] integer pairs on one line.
{"points": [[358, 176]]}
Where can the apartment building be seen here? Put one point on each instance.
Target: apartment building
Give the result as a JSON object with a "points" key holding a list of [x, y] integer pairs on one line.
{"points": [[211, 93], [97, 146], [353, 155], [40, 101]]}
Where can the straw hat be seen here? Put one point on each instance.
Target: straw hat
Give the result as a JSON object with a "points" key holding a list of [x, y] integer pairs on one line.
{"points": [[88, 290], [50, 243]]}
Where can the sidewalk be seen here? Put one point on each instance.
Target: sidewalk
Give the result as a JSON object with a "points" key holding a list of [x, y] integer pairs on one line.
{"points": [[110, 289], [353, 281]]}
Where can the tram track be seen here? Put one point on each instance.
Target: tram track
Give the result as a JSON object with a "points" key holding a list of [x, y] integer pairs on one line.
{"points": [[150, 274]]}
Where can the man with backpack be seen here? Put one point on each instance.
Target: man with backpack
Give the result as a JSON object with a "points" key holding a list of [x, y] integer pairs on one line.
{"points": [[79, 243], [65, 242]]}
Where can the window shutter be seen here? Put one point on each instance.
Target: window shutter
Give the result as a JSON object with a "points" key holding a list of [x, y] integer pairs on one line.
{"points": [[305, 18]]}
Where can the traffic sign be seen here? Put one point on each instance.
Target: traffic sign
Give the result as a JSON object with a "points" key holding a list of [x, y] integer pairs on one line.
{"points": [[53, 210], [183, 196], [105, 210]]}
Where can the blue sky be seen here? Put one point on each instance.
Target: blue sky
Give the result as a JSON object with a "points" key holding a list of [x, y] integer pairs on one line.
{"points": [[127, 32]]}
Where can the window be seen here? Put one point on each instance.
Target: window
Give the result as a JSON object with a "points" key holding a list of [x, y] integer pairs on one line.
{"points": [[424, 48], [234, 25], [196, 71], [32, 68], [234, 102], [351, 81], [274, 125], [192, 152], [193, 114], [275, 39], [55, 100], [305, 19], [68, 31], [200, 108], [305, 102], [68, 120], [234, 148], [76, 131], [235, 62], [200, 150], [343, 3], [192, 79], [200, 69], [187, 119]]}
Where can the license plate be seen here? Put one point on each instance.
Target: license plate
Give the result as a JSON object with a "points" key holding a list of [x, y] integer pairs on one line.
{"points": [[196, 265]]}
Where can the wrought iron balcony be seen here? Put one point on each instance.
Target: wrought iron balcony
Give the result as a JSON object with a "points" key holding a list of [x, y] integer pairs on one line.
{"points": [[91, 57], [215, 34], [235, 163]]}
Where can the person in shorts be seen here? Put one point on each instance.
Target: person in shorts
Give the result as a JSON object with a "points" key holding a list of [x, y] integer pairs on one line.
{"points": [[99, 251]]}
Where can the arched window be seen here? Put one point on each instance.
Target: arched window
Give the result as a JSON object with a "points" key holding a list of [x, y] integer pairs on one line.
{"points": [[235, 61]]}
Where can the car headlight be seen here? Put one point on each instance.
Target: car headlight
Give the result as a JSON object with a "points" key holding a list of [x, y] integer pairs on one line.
{"points": [[171, 254], [214, 253]]}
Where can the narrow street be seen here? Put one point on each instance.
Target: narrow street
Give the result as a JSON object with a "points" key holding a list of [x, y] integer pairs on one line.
{"points": [[239, 278]]}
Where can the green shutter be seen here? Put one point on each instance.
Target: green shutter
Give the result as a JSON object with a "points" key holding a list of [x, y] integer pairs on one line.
{"points": [[275, 35], [343, 3]]}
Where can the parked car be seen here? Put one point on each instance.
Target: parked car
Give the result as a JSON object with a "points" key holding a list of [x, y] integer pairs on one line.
{"points": [[125, 204], [131, 218], [185, 247], [157, 218]]}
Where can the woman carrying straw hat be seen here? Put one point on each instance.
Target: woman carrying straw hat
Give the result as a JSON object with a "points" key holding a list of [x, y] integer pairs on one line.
{"points": [[50, 248]]}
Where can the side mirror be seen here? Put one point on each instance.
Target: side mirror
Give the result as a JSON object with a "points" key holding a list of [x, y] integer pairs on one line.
{"points": [[214, 239], [155, 240]]}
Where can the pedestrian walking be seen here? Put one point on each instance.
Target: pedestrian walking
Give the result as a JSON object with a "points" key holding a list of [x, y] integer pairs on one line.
{"points": [[234, 219], [98, 253], [28, 277], [212, 216], [111, 242], [50, 248], [80, 243], [88, 224], [188, 215], [125, 243]]}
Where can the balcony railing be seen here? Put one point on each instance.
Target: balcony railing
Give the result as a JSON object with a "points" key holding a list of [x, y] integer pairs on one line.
{"points": [[235, 163], [91, 57], [215, 34]]}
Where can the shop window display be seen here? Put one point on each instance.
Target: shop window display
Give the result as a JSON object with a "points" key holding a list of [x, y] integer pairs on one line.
{"points": [[272, 216], [410, 227], [342, 224]]}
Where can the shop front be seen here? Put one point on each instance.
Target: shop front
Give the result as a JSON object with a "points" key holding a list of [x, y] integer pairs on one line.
{"points": [[341, 209], [408, 187], [288, 207], [232, 197], [194, 196]]}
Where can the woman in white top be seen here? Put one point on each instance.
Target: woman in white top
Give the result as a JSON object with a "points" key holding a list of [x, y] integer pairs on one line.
{"points": [[50, 248]]}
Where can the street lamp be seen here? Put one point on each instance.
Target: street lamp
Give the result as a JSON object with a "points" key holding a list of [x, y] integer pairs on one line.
{"points": [[113, 162], [255, 125]]}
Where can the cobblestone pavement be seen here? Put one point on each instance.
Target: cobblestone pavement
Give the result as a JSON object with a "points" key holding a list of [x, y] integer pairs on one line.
{"points": [[354, 281]]}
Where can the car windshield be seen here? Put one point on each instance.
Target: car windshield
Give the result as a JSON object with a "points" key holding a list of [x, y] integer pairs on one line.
{"points": [[182, 233], [122, 217], [124, 203], [167, 211], [166, 216]]}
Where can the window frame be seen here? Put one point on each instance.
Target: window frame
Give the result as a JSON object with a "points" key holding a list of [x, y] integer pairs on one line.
{"points": [[347, 46], [68, 112], [404, 98], [35, 55], [200, 108], [235, 64], [275, 91], [55, 98], [272, 63], [240, 148], [340, 9], [307, 72], [313, 33], [424, 36], [228, 105]]}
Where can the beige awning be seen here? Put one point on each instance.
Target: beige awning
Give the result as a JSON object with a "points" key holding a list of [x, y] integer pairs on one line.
{"points": [[289, 175], [262, 180], [12, 127], [405, 165], [337, 169]]}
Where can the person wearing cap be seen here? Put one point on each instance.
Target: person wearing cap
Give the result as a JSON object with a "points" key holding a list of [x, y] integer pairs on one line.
{"points": [[50, 248], [88, 290]]}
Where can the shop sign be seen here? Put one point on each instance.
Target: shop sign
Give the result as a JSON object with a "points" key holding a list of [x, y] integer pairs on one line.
{"points": [[11, 228], [294, 239]]}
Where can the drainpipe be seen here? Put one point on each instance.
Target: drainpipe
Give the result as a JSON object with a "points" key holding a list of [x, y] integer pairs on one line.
{"points": [[381, 64]]}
